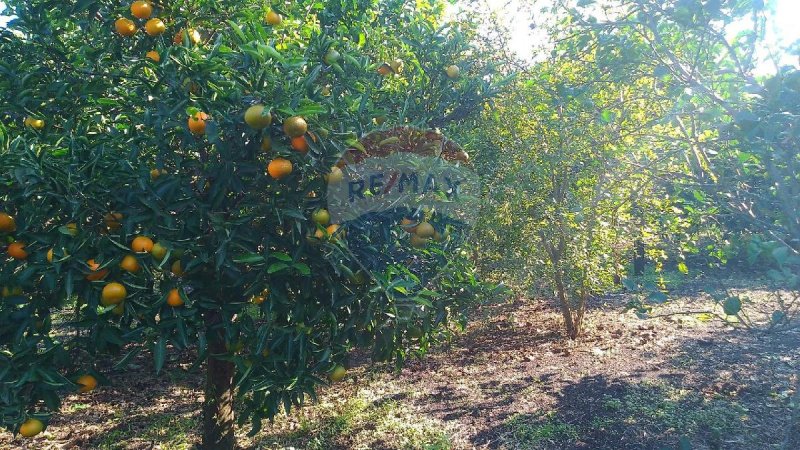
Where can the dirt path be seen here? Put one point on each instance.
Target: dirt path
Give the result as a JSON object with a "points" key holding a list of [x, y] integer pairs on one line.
{"points": [[510, 381]]}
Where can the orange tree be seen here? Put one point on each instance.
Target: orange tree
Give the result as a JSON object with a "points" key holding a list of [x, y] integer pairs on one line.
{"points": [[162, 163]]}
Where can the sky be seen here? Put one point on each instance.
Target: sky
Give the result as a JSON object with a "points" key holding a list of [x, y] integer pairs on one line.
{"points": [[784, 27]]}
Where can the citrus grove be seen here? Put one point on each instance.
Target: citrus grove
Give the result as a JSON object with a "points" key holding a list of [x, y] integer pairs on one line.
{"points": [[163, 190]]}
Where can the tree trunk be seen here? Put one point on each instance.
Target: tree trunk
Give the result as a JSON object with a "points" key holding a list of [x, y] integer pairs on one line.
{"points": [[638, 258], [218, 404]]}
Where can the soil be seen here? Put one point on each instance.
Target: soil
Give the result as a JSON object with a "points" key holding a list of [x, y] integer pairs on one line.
{"points": [[512, 381]]}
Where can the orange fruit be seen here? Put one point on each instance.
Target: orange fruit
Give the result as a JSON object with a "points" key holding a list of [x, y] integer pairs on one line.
{"points": [[141, 9], [338, 374], [259, 299], [418, 242], [333, 229], [50, 255], [299, 143], [155, 27], [130, 264], [321, 216], [31, 427], [125, 27], [112, 220], [197, 123], [453, 71], [16, 250], [273, 18], [174, 298], [156, 173], [153, 55], [319, 234], [158, 251], [385, 70], [119, 309], [425, 230], [7, 223], [87, 383], [295, 126], [96, 274], [177, 269], [258, 117], [141, 244], [194, 36], [279, 168], [408, 225], [335, 176], [36, 124], [266, 144], [113, 294]]}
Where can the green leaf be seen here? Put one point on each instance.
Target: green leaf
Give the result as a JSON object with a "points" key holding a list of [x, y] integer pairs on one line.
{"points": [[277, 267], [249, 258], [160, 353]]}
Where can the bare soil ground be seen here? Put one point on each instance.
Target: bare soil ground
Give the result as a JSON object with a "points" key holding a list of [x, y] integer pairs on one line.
{"points": [[510, 381]]}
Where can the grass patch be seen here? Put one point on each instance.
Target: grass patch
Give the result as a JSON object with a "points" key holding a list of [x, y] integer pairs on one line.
{"points": [[537, 431], [653, 414], [171, 432], [362, 422]]}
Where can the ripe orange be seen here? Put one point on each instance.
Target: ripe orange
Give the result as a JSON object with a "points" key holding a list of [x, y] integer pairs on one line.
{"points": [[50, 255], [335, 176], [194, 36], [258, 117], [125, 27], [266, 144], [36, 124], [338, 374], [299, 143], [453, 71], [425, 230], [259, 299], [321, 216], [87, 383], [319, 234], [174, 298], [7, 223], [197, 123], [141, 9], [155, 27], [273, 18], [408, 225], [295, 126], [279, 168], [130, 264], [96, 274], [385, 70], [158, 251], [16, 250], [334, 229], [31, 427], [113, 294], [177, 269], [153, 55], [141, 244]]}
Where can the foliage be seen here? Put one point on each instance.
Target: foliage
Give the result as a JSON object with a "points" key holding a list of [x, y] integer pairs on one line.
{"points": [[115, 159]]}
